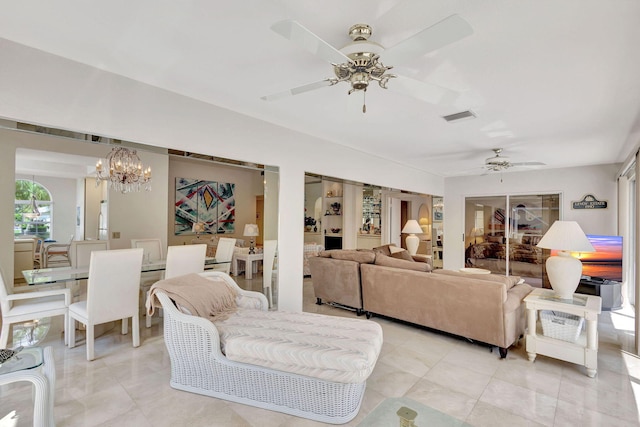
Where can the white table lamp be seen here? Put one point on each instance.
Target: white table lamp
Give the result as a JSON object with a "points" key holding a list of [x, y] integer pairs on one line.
{"points": [[198, 228], [251, 230], [564, 270], [412, 227]]}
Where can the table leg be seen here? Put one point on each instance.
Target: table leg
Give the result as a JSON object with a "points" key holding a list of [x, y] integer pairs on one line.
{"points": [[42, 408], [234, 266], [248, 269], [591, 352], [531, 334]]}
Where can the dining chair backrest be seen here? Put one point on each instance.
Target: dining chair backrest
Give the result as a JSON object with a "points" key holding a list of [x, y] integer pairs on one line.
{"points": [[80, 251], [269, 251], [269, 256], [113, 288], [152, 248], [4, 293], [224, 251], [185, 259]]}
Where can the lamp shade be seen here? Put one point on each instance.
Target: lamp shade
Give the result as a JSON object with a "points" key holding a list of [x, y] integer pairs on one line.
{"points": [[198, 227], [412, 227], [251, 230], [566, 236]]}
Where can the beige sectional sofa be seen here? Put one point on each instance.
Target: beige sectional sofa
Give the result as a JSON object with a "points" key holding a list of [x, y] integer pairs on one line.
{"points": [[483, 308]]}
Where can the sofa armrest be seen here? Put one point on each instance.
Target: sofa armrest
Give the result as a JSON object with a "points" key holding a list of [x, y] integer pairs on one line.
{"points": [[423, 258], [515, 295]]}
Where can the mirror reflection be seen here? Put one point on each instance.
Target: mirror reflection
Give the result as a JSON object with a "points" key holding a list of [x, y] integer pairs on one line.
{"points": [[193, 199]]}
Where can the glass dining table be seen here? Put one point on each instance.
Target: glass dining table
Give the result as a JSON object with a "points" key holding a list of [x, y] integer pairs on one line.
{"points": [[44, 276]]}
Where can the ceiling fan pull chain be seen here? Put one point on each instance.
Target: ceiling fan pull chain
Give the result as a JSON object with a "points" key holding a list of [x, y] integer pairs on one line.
{"points": [[364, 102]]}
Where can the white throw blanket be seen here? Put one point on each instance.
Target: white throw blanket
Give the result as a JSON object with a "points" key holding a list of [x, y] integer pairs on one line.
{"points": [[212, 299]]}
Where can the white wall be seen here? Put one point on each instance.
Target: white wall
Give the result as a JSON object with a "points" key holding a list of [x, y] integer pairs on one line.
{"points": [[41, 88], [572, 183]]}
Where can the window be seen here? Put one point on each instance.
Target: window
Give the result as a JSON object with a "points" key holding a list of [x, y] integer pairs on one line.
{"points": [[23, 225]]}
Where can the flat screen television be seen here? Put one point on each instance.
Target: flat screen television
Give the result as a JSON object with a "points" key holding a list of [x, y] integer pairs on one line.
{"points": [[606, 261]]}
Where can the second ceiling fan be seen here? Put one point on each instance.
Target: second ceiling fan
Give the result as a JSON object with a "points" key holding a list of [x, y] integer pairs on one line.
{"points": [[360, 62]]}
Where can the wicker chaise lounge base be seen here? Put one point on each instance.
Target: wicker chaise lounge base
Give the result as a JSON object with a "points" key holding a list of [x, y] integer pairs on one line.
{"points": [[199, 366]]}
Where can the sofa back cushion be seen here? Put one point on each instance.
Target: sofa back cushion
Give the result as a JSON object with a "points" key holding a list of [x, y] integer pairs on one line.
{"points": [[509, 281], [400, 253], [384, 249], [359, 256], [388, 261]]}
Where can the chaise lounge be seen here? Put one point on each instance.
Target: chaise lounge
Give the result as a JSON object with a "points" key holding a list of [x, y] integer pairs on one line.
{"points": [[308, 365]]}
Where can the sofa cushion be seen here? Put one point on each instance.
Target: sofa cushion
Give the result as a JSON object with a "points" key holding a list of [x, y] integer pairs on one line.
{"points": [[384, 249], [509, 281], [388, 261], [402, 254], [361, 257]]}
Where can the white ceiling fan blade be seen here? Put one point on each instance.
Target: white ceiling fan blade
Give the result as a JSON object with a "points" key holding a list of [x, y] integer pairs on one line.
{"points": [[297, 90], [447, 31], [297, 33], [528, 164], [423, 91]]}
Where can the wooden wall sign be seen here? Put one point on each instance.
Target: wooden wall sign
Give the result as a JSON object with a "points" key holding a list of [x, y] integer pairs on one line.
{"points": [[589, 202]]}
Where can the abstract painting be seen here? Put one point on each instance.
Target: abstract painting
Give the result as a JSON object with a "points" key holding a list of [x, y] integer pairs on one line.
{"points": [[209, 202]]}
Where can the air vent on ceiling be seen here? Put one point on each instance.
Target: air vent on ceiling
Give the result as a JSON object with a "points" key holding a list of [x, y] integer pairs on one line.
{"points": [[460, 116]]}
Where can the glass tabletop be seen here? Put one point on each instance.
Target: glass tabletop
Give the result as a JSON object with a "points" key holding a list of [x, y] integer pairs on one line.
{"points": [[392, 412], [550, 295], [28, 358], [64, 274]]}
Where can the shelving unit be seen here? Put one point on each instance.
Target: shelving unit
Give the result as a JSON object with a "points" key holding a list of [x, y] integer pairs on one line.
{"points": [[332, 219]]}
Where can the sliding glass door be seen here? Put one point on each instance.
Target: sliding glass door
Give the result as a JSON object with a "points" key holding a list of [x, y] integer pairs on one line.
{"points": [[501, 233]]}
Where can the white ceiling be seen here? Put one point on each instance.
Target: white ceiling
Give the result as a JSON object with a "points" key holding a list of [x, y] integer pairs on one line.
{"points": [[550, 81]]}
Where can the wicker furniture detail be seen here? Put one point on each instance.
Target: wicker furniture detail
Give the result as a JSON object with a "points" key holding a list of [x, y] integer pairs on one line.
{"points": [[199, 366]]}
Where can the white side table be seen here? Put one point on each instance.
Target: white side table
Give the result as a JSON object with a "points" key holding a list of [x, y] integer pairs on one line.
{"points": [[249, 260], [585, 350], [35, 365]]}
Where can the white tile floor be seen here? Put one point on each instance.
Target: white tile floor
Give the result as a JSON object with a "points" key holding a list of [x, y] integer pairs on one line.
{"points": [[130, 387]]}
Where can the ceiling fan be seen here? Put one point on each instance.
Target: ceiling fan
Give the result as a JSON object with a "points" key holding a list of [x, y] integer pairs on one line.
{"points": [[499, 163], [360, 62]]}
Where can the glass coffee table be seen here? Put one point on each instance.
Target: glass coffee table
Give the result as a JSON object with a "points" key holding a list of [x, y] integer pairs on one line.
{"points": [[405, 412], [34, 364]]}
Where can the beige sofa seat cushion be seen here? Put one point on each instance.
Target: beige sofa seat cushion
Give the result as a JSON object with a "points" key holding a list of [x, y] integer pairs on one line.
{"points": [[388, 261], [509, 281]]}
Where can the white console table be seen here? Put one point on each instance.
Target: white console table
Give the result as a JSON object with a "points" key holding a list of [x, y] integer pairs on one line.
{"points": [[585, 350], [251, 264]]}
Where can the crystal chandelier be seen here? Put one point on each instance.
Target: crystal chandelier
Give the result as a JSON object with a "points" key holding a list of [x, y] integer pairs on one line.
{"points": [[124, 171]]}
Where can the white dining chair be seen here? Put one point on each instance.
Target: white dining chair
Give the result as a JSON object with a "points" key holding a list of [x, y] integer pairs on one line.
{"points": [[152, 248], [80, 251], [56, 254], [113, 293], [269, 271], [181, 260], [224, 254], [185, 259], [34, 305]]}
